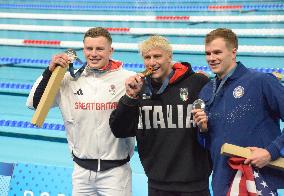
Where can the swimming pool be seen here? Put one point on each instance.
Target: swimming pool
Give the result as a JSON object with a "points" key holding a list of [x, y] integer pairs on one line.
{"points": [[21, 65]]}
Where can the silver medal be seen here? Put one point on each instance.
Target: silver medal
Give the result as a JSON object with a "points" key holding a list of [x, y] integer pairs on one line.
{"points": [[198, 104], [71, 55]]}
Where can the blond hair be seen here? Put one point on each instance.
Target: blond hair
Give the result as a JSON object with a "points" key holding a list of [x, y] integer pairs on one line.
{"points": [[155, 41]]}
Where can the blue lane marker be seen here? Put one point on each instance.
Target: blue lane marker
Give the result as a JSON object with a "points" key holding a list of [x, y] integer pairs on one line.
{"points": [[138, 8], [9, 85], [126, 65], [153, 1], [26, 124], [19, 86], [45, 62]]}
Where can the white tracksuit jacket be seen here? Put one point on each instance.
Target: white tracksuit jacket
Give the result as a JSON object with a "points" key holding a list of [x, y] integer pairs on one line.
{"points": [[86, 104]]}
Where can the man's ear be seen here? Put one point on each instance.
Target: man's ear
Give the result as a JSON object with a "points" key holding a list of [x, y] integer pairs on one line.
{"points": [[111, 50], [234, 52], [170, 57]]}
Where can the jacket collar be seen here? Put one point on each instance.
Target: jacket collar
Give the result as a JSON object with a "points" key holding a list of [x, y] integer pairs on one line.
{"points": [[239, 71], [113, 65], [180, 69]]}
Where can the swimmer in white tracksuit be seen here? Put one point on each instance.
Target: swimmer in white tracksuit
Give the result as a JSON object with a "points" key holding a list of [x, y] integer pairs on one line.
{"points": [[100, 160]]}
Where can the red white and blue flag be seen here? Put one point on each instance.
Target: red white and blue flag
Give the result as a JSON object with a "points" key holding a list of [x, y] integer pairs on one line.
{"points": [[247, 181]]}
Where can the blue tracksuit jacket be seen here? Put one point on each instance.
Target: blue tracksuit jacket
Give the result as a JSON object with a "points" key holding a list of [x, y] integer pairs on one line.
{"points": [[246, 112]]}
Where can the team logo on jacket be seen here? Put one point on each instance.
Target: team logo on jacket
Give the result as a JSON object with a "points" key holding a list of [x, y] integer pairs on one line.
{"points": [[183, 94], [112, 89], [238, 92]]}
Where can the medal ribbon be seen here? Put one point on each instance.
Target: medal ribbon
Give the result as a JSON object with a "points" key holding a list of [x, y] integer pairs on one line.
{"points": [[78, 73], [217, 90], [149, 88]]}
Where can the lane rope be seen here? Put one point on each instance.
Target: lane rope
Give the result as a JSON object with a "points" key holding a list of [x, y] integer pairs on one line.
{"points": [[159, 1], [177, 48], [264, 32], [45, 62], [153, 18], [26, 124], [182, 8]]}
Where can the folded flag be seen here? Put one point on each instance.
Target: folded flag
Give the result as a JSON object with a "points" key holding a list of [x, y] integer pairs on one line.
{"points": [[247, 181]]}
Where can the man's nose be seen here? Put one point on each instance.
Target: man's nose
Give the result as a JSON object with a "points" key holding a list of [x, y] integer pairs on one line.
{"points": [[94, 53], [152, 62]]}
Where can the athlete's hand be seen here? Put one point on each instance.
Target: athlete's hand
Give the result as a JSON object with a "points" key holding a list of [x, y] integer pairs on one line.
{"points": [[134, 85], [200, 118], [260, 157], [59, 60]]}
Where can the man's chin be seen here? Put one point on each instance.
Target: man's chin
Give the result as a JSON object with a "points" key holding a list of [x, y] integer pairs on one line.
{"points": [[215, 71], [157, 77], [95, 66]]}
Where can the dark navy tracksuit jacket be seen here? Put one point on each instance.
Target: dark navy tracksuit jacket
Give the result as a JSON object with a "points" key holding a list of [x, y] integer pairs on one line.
{"points": [[246, 112]]}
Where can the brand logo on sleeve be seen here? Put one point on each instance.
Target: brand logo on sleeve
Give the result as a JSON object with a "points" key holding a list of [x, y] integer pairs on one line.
{"points": [[79, 92]]}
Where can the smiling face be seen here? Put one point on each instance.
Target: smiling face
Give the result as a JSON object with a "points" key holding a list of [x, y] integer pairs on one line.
{"points": [[160, 60], [220, 58], [97, 51], [157, 53]]}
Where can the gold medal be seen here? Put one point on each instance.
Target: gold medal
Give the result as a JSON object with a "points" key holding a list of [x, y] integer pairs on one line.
{"points": [[147, 71]]}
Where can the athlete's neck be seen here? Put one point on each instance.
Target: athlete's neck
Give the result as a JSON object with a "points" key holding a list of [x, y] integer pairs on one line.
{"points": [[228, 72]]}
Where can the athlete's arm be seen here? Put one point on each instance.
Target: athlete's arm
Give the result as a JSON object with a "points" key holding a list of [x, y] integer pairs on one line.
{"points": [[41, 83], [273, 92], [124, 119]]}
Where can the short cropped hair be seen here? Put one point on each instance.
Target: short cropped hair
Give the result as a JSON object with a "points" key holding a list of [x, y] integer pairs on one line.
{"points": [[97, 32], [228, 35], [155, 41]]}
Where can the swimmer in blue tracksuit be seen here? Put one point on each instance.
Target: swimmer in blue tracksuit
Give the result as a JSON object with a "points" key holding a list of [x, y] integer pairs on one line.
{"points": [[243, 107]]}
